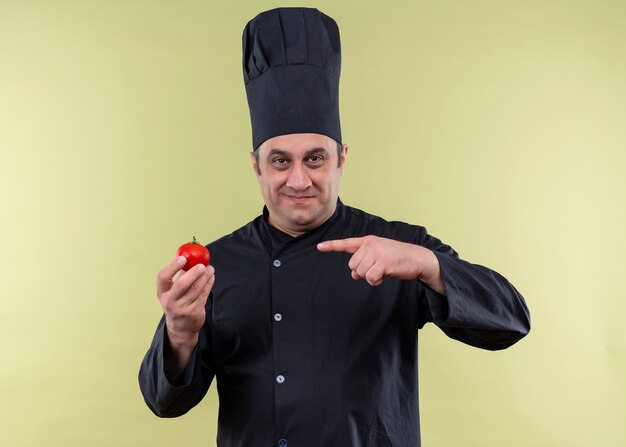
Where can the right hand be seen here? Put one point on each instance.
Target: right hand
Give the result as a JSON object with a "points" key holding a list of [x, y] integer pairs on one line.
{"points": [[183, 299]]}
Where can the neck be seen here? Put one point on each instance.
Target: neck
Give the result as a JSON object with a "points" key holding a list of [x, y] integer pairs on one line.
{"points": [[289, 231]]}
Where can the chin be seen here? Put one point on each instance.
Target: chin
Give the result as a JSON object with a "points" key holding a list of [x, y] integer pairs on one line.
{"points": [[302, 221]]}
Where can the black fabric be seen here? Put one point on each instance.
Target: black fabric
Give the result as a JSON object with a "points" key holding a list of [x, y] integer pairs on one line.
{"points": [[273, 236], [347, 351], [291, 68]]}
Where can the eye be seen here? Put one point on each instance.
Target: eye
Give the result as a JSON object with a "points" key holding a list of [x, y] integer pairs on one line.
{"points": [[280, 162], [315, 159]]}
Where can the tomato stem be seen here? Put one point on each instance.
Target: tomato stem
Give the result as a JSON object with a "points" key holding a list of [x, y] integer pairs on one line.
{"points": [[194, 240]]}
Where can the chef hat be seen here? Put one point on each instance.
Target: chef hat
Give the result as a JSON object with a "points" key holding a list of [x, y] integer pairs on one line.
{"points": [[291, 66]]}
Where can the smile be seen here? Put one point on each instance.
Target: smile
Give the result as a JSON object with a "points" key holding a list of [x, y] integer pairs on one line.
{"points": [[299, 199]]}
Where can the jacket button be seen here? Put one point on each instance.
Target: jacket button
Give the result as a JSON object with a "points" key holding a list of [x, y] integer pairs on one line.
{"points": [[280, 379], [282, 442], [276, 263]]}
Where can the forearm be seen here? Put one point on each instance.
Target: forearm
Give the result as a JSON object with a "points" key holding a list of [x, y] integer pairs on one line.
{"points": [[482, 307], [177, 353], [164, 396]]}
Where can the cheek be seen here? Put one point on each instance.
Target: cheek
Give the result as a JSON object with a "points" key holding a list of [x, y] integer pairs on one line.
{"points": [[273, 183], [331, 181]]}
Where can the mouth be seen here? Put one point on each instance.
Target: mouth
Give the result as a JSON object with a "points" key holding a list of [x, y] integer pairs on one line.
{"points": [[298, 198]]}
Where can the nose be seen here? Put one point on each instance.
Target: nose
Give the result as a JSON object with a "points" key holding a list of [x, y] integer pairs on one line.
{"points": [[298, 178]]}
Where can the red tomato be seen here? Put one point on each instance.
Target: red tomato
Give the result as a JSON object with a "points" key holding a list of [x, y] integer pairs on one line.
{"points": [[195, 253]]}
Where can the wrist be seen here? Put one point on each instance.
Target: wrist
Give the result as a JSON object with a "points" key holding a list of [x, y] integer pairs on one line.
{"points": [[181, 339], [431, 272]]}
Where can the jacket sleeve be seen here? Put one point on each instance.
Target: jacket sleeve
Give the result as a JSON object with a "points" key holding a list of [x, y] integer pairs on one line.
{"points": [[171, 400], [481, 307]]}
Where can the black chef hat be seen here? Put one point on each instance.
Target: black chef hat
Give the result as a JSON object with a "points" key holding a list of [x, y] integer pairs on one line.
{"points": [[291, 66]]}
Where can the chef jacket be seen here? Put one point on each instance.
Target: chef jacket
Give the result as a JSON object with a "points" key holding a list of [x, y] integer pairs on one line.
{"points": [[305, 356]]}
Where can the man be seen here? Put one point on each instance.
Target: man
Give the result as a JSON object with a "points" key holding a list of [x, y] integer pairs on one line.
{"points": [[308, 316]]}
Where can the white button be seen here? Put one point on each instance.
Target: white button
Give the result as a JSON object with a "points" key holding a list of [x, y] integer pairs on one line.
{"points": [[278, 317], [276, 263], [280, 379]]}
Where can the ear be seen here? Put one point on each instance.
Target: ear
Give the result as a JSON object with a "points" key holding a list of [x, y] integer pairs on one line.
{"points": [[344, 154], [255, 165]]}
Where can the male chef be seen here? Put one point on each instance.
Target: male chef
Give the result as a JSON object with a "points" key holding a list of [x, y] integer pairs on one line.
{"points": [[308, 317]]}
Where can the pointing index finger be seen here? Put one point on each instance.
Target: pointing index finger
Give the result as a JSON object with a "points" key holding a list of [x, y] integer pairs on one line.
{"points": [[350, 245]]}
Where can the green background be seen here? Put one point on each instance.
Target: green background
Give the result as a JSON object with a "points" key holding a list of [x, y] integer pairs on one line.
{"points": [[498, 125]]}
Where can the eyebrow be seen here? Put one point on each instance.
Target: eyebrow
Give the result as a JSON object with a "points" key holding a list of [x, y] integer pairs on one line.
{"points": [[283, 153]]}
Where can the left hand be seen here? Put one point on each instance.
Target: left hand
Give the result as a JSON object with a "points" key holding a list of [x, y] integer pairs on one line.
{"points": [[374, 258]]}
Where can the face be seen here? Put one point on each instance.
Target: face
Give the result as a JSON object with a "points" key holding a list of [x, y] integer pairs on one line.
{"points": [[299, 179]]}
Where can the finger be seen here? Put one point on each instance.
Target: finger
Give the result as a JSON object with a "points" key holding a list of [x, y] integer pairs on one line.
{"points": [[350, 245], [364, 266], [203, 296], [357, 264], [166, 274], [356, 259], [200, 289], [186, 280], [375, 283], [206, 290], [375, 275]]}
